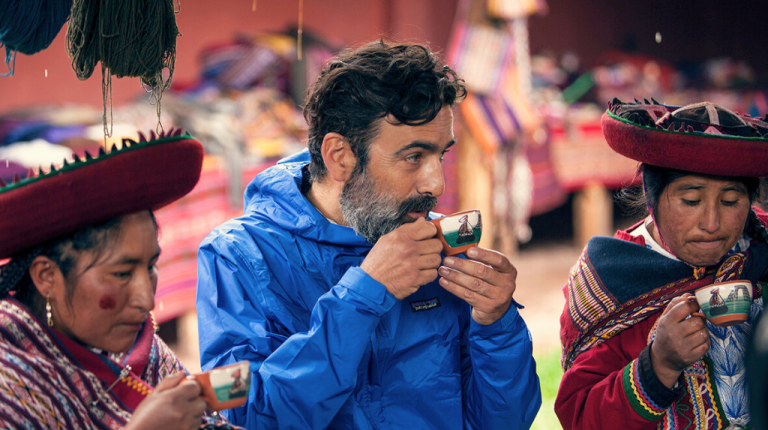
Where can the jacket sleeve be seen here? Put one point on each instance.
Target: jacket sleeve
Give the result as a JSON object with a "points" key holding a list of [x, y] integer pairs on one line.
{"points": [[299, 381], [613, 385], [501, 388]]}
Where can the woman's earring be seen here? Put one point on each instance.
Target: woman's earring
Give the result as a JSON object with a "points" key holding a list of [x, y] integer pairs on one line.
{"points": [[48, 314]]}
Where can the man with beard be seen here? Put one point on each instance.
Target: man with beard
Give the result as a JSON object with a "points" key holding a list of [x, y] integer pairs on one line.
{"points": [[332, 283]]}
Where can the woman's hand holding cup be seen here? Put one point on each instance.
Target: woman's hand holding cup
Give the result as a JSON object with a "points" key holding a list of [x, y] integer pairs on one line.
{"points": [[681, 339]]}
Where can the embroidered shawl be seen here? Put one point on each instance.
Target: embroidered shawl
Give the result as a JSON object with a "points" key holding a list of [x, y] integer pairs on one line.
{"points": [[48, 381], [617, 283]]}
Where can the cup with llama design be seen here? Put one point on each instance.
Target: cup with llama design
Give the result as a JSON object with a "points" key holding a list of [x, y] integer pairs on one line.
{"points": [[225, 387], [460, 231], [726, 303]]}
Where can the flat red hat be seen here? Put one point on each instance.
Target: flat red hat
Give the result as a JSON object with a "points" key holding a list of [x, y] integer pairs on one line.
{"points": [[139, 176], [699, 138]]}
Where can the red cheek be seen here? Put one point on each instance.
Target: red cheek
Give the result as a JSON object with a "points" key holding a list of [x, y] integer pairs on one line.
{"points": [[107, 302]]}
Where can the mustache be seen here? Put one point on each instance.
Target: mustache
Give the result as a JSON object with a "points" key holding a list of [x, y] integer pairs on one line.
{"points": [[418, 204]]}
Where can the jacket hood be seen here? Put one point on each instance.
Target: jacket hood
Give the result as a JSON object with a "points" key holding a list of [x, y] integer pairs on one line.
{"points": [[275, 197]]}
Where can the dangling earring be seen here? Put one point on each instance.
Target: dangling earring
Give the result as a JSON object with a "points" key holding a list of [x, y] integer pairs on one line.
{"points": [[48, 314]]}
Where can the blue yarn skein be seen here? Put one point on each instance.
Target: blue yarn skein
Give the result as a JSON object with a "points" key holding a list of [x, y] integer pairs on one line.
{"points": [[29, 26]]}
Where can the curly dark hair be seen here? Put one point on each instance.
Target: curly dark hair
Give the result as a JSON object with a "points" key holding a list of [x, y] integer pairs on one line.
{"points": [[360, 87]]}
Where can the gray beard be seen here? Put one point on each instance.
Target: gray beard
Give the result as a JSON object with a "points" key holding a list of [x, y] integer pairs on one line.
{"points": [[371, 213]]}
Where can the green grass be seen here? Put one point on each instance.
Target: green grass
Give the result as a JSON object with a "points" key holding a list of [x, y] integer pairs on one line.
{"points": [[550, 373]]}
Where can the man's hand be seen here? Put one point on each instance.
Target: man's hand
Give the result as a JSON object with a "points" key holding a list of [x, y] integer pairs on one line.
{"points": [[486, 280], [405, 259], [680, 341]]}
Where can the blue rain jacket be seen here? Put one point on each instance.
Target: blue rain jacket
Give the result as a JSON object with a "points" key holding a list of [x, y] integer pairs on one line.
{"points": [[329, 347]]}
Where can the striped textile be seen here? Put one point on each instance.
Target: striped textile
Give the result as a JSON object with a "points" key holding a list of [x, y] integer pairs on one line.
{"points": [[589, 300], [641, 402], [480, 54], [700, 408]]}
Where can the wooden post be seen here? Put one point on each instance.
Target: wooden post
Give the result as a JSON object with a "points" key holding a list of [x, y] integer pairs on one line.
{"points": [[592, 213], [476, 185]]}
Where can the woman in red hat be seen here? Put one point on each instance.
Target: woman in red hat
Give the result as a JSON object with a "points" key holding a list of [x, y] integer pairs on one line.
{"points": [[77, 343], [635, 356]]}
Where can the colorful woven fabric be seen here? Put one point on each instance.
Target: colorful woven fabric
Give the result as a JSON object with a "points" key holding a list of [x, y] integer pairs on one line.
{"points": [[547, 193], [480, 54], [638, 398], [48, 381], [41, 382]]}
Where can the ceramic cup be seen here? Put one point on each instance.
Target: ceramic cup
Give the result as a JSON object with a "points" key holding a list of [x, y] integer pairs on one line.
{"points": [[459, 231], [725, 303], [225, 387]]}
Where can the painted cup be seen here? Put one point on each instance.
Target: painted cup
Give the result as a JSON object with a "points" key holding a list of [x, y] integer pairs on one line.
{"points": [[225, 387], [726, 303], [459, 231]]}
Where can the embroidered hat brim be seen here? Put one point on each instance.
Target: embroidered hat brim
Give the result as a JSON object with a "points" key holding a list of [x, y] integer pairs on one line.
{"points": [[668, 136], [139, 176]]}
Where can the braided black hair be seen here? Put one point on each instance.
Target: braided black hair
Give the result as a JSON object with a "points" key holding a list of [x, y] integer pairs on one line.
{"points": [[755, 228], [12, 273]]}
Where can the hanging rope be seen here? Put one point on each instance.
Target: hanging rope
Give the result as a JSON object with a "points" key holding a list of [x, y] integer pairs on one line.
{"points": [[131, 38], [29, 26]]}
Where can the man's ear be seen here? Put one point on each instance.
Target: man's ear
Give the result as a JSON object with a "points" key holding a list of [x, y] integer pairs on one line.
{"points": [[43, 274], [338, 157]]}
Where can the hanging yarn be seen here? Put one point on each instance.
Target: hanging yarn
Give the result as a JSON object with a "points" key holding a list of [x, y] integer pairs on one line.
{"points": [[133, 38], [29, 26]]}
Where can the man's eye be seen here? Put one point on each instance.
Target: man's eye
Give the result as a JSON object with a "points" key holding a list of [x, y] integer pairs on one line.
{"points": [[442, 156], [691, 202], [729, 202], [122, 275], [414, 157]]}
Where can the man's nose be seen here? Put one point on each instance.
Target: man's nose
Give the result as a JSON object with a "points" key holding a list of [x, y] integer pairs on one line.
{"points": [[432, 182]]}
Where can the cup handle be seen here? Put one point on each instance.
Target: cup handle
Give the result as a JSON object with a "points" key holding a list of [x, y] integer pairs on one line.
{"points": [[698, 314]]}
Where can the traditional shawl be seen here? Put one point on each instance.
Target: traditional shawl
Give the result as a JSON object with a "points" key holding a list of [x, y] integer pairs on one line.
{"points": [[48, 381], [617, 283]]}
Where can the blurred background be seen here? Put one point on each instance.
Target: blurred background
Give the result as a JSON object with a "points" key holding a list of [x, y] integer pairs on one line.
{"points": [[531, 156]]}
